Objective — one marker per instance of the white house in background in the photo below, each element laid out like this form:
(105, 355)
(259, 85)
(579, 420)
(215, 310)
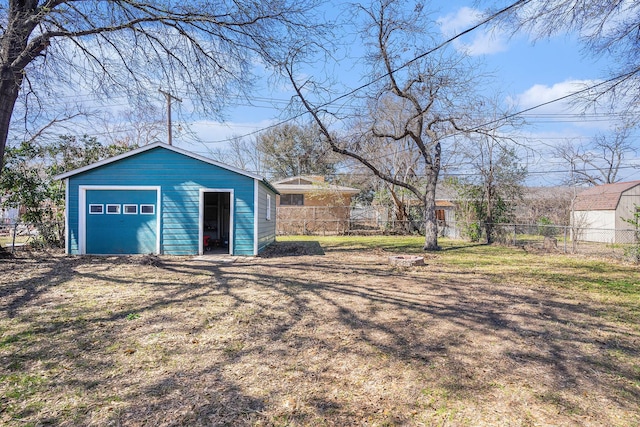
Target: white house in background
(601, 211)
(8, 215)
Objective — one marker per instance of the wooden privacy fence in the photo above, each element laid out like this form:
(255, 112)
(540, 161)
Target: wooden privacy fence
(313, 219)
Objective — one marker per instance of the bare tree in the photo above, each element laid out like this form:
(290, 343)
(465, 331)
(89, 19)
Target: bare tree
(496, 185)
(432, 97)
(599, 161)
(607, 28)
(243, 153)
(205, 48)
(400, 160)
(579, 224)
(291, 149)
(133, 127)
(545, 205)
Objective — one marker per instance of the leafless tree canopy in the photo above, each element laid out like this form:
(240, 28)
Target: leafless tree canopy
(241, 152)
(204, 48)
(413, 105)
(291, 149)
(606, 27)
(599, 161)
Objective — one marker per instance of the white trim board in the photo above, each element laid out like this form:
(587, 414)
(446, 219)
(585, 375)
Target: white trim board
(67, 235)
(256, 215)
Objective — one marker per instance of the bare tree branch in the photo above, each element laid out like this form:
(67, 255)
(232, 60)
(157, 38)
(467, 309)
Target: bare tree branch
(412, 106)
(207, 48)
(606, 28)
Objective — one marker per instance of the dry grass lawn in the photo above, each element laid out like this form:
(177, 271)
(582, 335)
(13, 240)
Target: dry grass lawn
(480, 336)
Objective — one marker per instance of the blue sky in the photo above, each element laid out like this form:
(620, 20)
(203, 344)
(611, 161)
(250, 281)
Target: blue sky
(526, 74)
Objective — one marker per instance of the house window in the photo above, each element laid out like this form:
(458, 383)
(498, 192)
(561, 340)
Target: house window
(130, 209)
(292, 200)
(268, 207)
(147, 209)
(96, 209)
(113, 209)
(440, 214)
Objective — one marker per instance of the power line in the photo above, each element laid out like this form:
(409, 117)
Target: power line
(449, 173)
(561, 118)
(406, 64)
(491, 122)
(505, 117)
(254, 100)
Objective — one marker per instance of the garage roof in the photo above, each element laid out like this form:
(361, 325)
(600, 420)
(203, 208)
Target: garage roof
(166, 147)
(602, 197)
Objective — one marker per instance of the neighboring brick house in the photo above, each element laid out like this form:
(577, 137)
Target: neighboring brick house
(600, 210)
(307, 204)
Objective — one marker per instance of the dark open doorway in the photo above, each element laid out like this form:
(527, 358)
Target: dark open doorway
(216, 222)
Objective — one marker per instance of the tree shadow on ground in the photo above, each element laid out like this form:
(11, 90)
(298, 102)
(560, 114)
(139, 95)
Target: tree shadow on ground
(298, 248)
(310, 340)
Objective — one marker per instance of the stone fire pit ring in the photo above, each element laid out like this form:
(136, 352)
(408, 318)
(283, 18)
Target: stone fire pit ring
(406, 260)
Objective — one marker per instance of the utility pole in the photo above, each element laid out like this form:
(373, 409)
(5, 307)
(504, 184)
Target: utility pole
(169, 98)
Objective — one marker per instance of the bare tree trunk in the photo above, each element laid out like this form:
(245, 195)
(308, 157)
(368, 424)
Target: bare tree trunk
(401, 212)
(488, 220)
(488, 229)
(8, 95)
(16, 52)
(430, 223)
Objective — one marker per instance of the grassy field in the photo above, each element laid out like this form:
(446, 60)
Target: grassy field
(321, 332)
(7, 241)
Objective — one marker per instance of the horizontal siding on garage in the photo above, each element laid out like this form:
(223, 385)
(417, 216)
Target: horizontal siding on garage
(180, 178)
(266, 227)
(243, 225)
(71, 213)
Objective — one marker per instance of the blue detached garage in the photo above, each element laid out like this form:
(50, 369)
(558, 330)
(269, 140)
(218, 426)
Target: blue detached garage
(161, 199)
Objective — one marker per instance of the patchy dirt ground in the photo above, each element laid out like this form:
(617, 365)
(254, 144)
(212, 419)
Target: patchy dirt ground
(337, 338)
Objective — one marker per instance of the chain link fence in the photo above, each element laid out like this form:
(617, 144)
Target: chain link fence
(606, 243)
(20, 235)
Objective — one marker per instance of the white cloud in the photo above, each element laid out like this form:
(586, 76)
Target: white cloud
(541, 94)
(482, 41)
(572, 118)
